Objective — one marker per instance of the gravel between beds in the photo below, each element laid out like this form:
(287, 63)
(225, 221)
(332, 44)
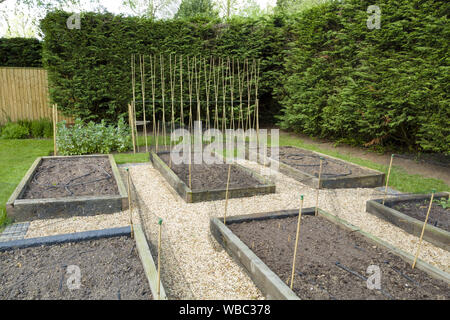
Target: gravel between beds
(194, 265)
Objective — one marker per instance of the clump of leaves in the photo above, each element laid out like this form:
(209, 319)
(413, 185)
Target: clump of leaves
(88, 138)
(443, 202)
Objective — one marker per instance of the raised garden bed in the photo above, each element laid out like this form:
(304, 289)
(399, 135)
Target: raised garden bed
(209, 181)
(65, 186)
(303, 165)
(332, 260)
(108, 262)
(409, 212)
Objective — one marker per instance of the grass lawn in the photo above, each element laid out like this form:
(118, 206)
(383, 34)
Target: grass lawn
(131, 158)
(16, 157)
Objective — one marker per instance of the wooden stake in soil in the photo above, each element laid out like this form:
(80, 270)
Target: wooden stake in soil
(159, 257)
(387, 178)
(226, 194)
(423, 228)
(130, 205)
(296, 240)
(318, 187)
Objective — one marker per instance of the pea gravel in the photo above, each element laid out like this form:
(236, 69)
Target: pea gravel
(194, 266)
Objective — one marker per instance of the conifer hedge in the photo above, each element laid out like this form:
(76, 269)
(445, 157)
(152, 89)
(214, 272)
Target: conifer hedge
(20, 52)
(89, 68)
(385, 86)
(323, 71)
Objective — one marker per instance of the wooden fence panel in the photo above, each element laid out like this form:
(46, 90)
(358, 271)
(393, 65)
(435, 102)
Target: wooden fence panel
(24, 95)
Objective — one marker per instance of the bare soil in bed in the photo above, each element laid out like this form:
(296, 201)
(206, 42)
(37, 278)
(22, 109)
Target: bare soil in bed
(332, 262)
(211, 176)
(110, 269)
(309, 162)
(439, 217)
(67, 177)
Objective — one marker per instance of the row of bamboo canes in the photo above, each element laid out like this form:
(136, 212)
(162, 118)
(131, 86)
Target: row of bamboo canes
(219, 75)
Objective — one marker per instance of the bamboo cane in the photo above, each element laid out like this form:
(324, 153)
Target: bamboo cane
(207, 89)
(130, 120)
(197, 87)
(387, 178)
(163, 126)
(249, 90)
(318, 187)
(256, 95)
(133, 84)
(153, 71)
(423, 228)
(54, 128)
(142, 68)
(190, 78)
(224, 90)
(157, 135)
(216, 95)
(226, 194)
(159, 258)
(190, 167)
(296, 240)
(241, 90)
(181, 93)
(130, 204)
(231, 91)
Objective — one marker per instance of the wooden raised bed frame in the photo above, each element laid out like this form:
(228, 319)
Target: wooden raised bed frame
(265, 279)
(30, 209)
(432, 234)
(372, 180)
(191, 196)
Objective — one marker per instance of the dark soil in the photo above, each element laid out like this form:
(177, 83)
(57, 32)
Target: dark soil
(439, 217)
(110, 269)
(322, 246)
(61, 178)
(211, 176)
(309, 162)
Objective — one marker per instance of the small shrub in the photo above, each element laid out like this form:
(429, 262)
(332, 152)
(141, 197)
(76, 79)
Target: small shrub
(15, 131)
(92, 137)
(41, 128)
(48, 131)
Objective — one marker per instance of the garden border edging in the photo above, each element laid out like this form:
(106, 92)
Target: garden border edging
(432, 234)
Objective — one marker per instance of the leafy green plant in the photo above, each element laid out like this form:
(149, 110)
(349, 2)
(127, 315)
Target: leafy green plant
(14, 131)
(88, 138)
(41, 128)
(443, 202)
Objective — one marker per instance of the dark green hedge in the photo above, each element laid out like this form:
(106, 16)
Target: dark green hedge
(386, 86)
(333, 76)
(20, 52)
(89, 68)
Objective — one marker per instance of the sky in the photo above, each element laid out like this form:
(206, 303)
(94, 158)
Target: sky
(18, 16)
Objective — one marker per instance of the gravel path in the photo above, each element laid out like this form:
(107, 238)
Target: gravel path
(194, 265)
(208, 271)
